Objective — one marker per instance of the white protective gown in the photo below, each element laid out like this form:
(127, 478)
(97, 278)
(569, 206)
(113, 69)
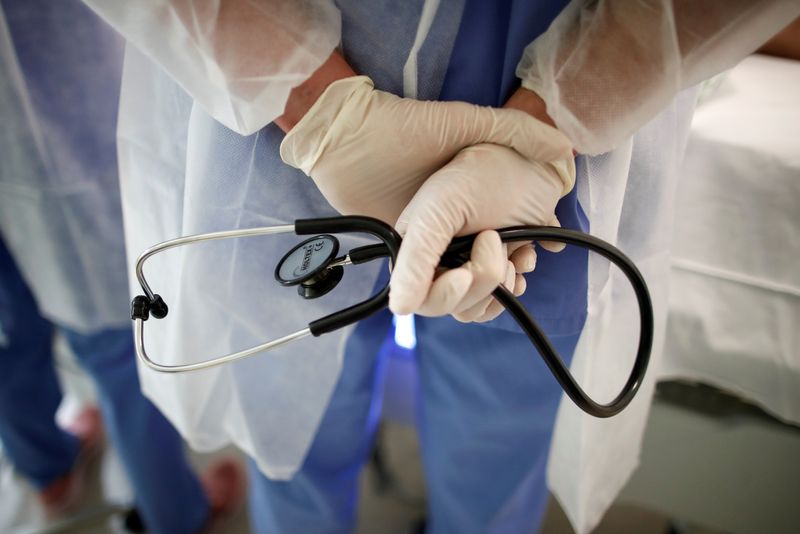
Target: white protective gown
(197, 155)
(59, 192)
(629, 192)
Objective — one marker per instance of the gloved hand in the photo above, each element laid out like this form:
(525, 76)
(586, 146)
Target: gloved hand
(484, 187)
(369, 151)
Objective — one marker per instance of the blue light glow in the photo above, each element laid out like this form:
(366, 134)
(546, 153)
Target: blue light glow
(404, 334)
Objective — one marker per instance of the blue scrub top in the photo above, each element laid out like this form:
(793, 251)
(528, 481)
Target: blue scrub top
(489, 44)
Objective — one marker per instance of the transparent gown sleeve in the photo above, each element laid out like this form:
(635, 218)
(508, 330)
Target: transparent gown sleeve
(606, 67)
(238, 59)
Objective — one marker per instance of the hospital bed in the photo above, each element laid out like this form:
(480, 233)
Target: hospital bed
(722, 447)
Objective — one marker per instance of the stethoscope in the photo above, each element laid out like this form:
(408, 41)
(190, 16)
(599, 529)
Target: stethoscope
(315, 267)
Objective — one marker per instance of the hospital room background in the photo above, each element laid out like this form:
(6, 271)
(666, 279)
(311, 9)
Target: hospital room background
(721, 451)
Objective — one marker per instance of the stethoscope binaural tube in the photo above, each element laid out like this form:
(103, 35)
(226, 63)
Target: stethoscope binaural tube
(151, 304)
(457, 253)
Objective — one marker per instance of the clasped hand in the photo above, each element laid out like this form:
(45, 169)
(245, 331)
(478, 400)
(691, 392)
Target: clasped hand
(436, 170)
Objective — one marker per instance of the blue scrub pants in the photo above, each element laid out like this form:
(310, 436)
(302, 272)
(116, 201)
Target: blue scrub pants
(486, 418)
(168, 494)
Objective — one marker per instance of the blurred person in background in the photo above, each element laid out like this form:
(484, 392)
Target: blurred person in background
(62, 269)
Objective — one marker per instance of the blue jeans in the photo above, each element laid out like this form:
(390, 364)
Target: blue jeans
(168, 494)
(487, 409)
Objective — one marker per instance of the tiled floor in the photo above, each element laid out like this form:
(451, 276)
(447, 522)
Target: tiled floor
(393, 504)
(386, 507)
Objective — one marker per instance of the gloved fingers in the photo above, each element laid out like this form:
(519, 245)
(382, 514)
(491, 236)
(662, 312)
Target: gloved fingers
(523, 256)
(514, 245)
(500, 126)
(474, 314)
(537, 142)
(488, 265)
(477, 311)
(470, 285)
(530, 137)
(553, 246)
(489, 308)
(520, 285)
(445, 293)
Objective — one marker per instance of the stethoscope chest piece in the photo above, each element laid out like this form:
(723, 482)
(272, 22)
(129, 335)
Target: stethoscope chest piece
(307, 266)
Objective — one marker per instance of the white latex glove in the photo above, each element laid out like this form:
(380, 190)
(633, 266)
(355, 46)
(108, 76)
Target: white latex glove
(484, 187)
(369, 151)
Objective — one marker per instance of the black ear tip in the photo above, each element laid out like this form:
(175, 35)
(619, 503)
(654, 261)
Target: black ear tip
(140, 308)
(158, 308)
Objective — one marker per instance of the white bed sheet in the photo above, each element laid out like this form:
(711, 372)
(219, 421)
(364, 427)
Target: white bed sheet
(735, 289)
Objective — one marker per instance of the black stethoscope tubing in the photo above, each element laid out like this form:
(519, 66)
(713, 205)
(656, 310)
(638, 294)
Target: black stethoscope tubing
(457, 253)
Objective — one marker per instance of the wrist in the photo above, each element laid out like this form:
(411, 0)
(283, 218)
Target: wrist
(531, 103)
(306, 94)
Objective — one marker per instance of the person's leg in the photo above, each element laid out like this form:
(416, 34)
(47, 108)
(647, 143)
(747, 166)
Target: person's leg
(29, 389)
(321, 498)
(169, 496)
(486, 417)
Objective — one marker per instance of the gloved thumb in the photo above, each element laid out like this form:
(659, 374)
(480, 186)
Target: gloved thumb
(426, 235)
(553, 246)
